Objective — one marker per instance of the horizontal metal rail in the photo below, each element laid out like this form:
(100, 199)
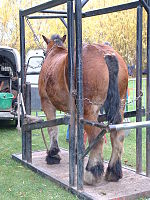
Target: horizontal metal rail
(130, 125)
(44, 6)
(91, 123)
(46, 16)
(117, 127)
(45, 124)
(112, 9)
(32, 73)
(53, 11)
(128, 114)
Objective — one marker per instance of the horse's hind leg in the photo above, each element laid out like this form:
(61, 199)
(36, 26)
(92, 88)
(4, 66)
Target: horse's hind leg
(50, 112)
(95, 168)
(114, 170)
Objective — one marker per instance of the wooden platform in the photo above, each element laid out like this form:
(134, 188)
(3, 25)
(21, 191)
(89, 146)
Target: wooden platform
(131, 186)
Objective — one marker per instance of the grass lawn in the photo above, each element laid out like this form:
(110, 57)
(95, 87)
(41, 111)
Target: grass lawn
(18, 182)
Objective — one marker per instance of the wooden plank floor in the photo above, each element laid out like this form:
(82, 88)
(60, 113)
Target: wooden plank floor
(131, 186)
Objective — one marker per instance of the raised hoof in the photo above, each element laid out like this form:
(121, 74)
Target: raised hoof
(93, 174)
(114, 173)
(51, 160)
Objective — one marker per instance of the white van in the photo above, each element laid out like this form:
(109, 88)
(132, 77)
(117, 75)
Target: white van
(34, 61)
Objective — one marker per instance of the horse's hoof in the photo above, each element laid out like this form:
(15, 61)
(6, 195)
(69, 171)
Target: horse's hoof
(93, 174)
(114, 173)
(54, 151)
(89, 179)
(51, 160)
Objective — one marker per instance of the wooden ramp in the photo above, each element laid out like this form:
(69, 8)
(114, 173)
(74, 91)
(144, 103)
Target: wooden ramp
(131, 186)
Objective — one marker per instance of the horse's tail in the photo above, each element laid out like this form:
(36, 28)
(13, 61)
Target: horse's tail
(112, 102)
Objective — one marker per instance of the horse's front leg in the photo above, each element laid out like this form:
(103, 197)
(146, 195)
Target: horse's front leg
(50, 112)
(95, 168)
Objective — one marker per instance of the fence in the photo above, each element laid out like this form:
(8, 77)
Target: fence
(131, 95)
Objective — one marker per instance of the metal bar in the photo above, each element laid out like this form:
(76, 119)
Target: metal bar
(133, 113)
(49, 4)
(54, 11)
(47, 17)
(79, 76)
(64, 22)
(84, 2)
(72, 151)
(94, 142)
(117, 8)
(138, 90)
(32, 73)
(39, 125)
(22, 57)
(148, 97)
(91, 123)
(145, 5)
(128, 114)
(130, 125)
(28, 133)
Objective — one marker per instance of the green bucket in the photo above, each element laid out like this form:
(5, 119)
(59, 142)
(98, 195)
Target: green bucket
(5, 100)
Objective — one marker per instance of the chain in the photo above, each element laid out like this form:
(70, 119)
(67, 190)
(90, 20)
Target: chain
(39, 66)
(35, 36)
(92, 102)
(136, 99)
(74, 93)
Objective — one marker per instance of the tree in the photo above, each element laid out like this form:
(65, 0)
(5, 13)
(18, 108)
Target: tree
(119, 29)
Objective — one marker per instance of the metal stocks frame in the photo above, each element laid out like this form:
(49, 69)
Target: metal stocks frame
(78, 15)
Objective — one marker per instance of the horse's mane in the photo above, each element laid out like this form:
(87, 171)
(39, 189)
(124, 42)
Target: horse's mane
(57, 39)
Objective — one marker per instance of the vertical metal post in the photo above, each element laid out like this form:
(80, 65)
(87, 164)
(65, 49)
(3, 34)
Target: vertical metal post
(72, 152)
(148, 96)
(79, 76)
(22, 54)
(28, 133)
(138, 89)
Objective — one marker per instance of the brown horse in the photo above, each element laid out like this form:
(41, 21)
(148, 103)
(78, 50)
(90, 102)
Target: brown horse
(105, 81)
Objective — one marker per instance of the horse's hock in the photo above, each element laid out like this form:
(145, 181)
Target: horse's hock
(132, 185)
